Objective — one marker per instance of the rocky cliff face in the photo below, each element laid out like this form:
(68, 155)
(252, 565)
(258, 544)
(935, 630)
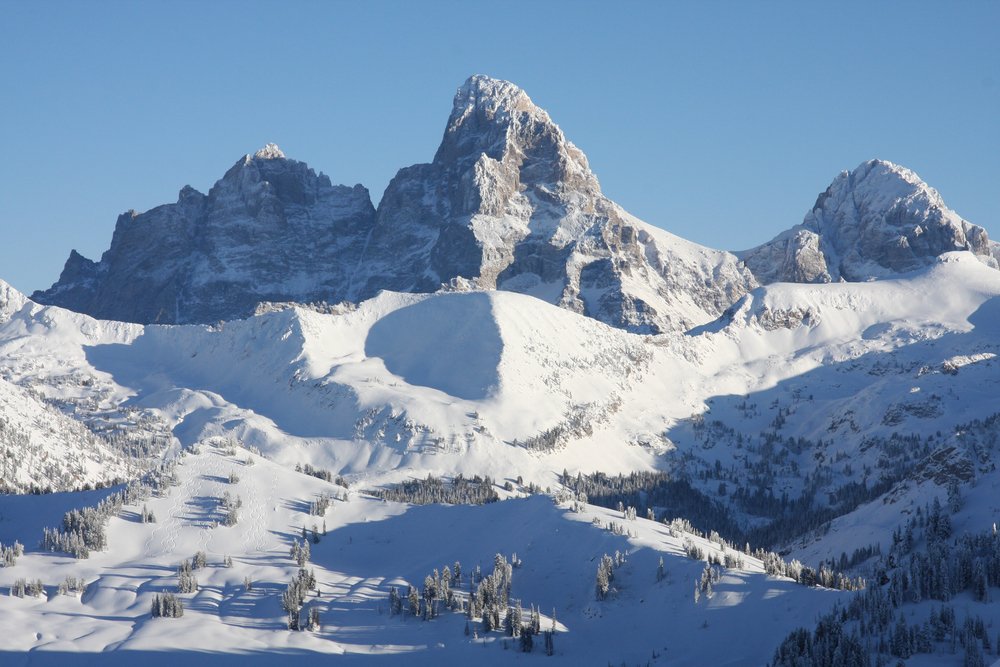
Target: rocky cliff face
(507, 203)
(875, 221)
(270, 230)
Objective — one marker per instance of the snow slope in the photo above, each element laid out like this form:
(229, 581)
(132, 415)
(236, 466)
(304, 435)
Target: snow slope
(371, 545)
(40, 446)
(502, 384)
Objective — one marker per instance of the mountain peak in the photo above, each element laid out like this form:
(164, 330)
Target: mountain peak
(886, 182)
(484, 91)
(269, 152)
(487, 115)
(878, 220)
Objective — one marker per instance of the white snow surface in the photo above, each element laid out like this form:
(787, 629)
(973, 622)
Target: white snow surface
(472, 382)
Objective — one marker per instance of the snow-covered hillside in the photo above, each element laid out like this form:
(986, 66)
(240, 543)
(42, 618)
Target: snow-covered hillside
(366, 547)
(503, 384)
(42, 447)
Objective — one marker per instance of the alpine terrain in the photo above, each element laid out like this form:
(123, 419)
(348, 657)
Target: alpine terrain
(498, 419)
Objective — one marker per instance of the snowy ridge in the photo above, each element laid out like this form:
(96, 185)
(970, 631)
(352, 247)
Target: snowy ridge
(11, 301)
(40, 447)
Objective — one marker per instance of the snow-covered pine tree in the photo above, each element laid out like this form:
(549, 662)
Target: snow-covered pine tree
(314, 620)
(413, 598)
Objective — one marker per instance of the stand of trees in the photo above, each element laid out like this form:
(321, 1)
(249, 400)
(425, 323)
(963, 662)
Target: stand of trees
(293, 599)
(435, 490)
(22, 587)
(10, 554)
(167, 605)
(83, 530)
(924, 562)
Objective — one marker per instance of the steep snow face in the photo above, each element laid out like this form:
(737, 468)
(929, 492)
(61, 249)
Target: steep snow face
(40, 448)
(876, 221)
(510, 203)
(11, 301)
(270, 230)
(436, 344)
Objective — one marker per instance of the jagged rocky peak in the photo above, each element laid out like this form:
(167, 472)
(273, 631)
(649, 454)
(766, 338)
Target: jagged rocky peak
(497, 120)
(876, 221)
(509, 202)
(506, 203)
(271, 229)
(269, 152)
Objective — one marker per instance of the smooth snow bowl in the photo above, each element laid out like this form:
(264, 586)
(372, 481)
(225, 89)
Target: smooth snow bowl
(451, 343)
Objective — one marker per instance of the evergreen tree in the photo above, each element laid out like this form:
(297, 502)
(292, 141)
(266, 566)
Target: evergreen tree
(314, 620)
(413, 597)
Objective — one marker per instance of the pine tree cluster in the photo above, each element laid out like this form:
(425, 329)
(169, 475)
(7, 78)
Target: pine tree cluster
(319, 473)
(606, 574)
(83, 530)
(230, 509)
(435, 490)
(10, 554)
(774, 564)
(186, 581)
(439, 591)
(924, 562)
(293, 598)
(22, 587)
(300, 552)
(72, 586)
(710, 576)
(319, 506)
(167, 605)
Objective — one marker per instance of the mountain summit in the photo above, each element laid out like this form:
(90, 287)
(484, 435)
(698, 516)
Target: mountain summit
(271, 229)
(878, 220)
(507, 203)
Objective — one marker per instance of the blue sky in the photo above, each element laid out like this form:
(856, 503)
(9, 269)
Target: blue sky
(719, 121)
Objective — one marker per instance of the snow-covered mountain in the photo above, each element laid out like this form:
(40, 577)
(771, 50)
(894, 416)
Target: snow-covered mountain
(271, 229)
(878, 220)
(504, 334)
(508, 202)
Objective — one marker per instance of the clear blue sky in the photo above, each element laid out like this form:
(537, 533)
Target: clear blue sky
(717, 121)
